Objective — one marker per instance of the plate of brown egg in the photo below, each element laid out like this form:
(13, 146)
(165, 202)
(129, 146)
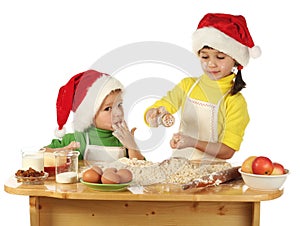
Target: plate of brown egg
(109, 179)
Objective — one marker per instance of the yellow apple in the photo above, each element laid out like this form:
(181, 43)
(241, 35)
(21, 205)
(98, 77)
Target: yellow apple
(247, 164)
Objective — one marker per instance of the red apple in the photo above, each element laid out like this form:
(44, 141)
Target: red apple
(247, 164)
(262, 165)
(278, 169)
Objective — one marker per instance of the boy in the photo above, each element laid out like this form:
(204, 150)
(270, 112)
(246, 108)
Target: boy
(100, 132)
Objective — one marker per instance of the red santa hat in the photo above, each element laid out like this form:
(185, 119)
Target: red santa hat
(228, 34)
(83, 94)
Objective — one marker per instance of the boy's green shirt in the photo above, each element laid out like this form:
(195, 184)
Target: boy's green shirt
(97, 136)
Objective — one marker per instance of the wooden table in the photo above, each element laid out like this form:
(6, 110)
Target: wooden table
(75, 204)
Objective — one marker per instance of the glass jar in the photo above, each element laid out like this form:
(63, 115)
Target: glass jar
(66, 166)
(33, 157)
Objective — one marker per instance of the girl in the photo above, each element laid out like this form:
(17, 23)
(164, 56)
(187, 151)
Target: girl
(214, 113)
(101, 134)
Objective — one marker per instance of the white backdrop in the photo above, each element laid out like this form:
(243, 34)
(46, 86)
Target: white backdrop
(43, 44)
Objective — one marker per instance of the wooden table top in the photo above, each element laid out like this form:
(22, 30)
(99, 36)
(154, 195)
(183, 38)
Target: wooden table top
(235, 191)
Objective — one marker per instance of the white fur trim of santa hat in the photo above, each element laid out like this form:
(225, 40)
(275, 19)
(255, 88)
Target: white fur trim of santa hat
(214, 38)
(86, 111)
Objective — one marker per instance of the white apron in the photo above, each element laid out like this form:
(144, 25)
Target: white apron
(102, 153)
(199, 119)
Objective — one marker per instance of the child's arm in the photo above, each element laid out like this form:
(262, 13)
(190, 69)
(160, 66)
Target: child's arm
(132, 153)
(135, 154)
(72, 146)
(219, 150)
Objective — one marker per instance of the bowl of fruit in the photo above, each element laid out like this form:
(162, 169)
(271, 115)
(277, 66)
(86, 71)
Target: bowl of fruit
(259, 172)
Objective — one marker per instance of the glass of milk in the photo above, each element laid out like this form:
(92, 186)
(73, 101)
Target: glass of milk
(66, 166)
(33, 157)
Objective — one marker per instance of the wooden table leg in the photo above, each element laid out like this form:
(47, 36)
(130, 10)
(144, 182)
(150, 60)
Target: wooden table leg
(256, 214)
(34, 211)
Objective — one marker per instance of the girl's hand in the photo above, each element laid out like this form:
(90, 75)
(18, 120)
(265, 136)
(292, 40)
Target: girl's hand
(180, 141)
(154, 115)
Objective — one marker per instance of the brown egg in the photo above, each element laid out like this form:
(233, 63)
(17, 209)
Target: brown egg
(91, 176)
(125, 174)
(111, 169)
(110, 177)
(98, 170)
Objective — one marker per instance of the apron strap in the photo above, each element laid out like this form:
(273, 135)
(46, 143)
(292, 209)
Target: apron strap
(87, 143)
(187, 96)
(193, 86)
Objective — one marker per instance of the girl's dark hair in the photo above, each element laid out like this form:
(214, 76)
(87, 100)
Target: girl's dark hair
(239, 83)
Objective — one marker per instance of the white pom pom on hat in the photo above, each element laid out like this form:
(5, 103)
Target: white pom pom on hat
(60, 132)
(83, 94)
(228, 34)
(255, 52)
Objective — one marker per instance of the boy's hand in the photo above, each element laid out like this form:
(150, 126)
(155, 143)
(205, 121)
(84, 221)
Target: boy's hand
(125, 136)
(71, 147)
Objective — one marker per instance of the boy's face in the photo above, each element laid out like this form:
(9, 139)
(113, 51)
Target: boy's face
(110, 112)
